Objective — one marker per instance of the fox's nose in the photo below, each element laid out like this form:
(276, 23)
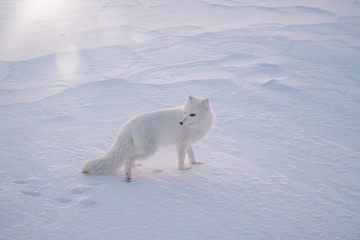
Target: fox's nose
(181, 123)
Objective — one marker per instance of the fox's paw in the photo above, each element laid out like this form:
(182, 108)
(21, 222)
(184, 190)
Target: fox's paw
(184, 168)
(197, 163)
(128, 178)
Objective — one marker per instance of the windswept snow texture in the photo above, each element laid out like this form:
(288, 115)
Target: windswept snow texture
(282, 161)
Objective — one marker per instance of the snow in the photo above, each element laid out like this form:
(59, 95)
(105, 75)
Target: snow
(282, 161)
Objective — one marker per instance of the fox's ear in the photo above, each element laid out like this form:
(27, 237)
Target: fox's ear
(189, 97)
(205, 102)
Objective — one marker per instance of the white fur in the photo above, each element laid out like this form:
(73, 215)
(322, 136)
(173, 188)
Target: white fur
(141, 136)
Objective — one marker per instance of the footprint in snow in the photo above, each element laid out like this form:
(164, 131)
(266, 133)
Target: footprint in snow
(27, 192)
(79, 190)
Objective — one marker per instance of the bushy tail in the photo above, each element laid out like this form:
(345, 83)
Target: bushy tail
(111, 161)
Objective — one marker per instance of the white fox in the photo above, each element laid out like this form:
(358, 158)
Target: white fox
(141, 136)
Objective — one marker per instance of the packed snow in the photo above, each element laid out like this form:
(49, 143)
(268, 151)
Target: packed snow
(281, 162)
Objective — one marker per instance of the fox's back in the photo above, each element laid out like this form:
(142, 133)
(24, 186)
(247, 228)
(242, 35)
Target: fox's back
(166, 127)
(161, 126)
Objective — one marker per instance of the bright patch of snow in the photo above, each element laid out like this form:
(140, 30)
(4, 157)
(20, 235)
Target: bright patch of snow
(282, 161)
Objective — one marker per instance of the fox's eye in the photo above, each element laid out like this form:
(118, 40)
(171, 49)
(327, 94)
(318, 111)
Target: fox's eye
(192, 115)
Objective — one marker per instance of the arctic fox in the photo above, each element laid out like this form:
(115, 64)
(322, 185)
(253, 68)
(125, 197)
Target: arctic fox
(140, 137)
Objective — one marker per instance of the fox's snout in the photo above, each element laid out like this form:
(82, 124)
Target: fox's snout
(182, 121)
(185, 122)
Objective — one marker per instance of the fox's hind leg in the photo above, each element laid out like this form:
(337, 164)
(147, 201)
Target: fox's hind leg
(143, 148)
(130, 162)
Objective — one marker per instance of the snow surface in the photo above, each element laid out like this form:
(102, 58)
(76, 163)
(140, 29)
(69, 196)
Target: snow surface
(282, 161)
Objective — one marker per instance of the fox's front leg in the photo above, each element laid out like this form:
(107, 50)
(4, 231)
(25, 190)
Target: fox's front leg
(191, 156)
(180, 149)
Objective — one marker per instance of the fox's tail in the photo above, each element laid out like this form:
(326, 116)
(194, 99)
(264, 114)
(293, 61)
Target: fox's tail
(113, 159)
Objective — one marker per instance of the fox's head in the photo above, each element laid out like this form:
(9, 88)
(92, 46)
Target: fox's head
(196, 111)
